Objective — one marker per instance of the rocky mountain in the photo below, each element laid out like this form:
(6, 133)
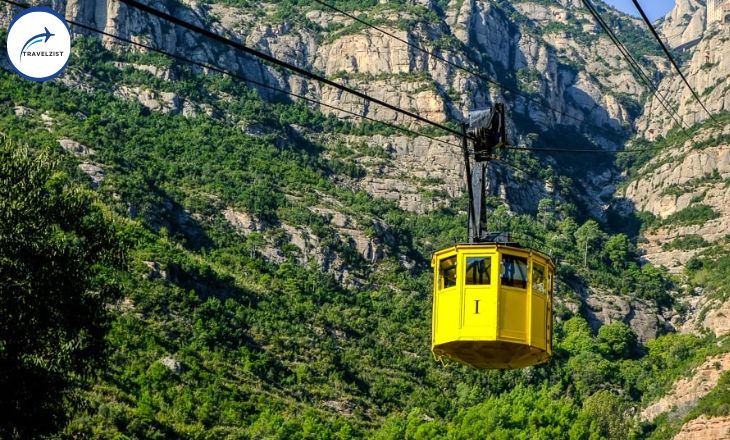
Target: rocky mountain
(280, 281)
(685, 23)
(685, 186)
(585, 80)
(707, 72)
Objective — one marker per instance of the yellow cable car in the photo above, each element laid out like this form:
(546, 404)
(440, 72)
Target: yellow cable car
(492, 305)
(492, 298)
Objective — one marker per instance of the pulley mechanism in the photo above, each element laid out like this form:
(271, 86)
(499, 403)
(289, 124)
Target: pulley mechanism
(489, 134)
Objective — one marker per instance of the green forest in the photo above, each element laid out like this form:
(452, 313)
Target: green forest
(130, 308)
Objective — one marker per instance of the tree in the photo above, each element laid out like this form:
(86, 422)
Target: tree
(520, 413)
(546, 212)
(619, 250)
(589, 237)
(616, 341)
(606, 414)
(58, 253)
(567, 228)
(591, 372)
(577, 336)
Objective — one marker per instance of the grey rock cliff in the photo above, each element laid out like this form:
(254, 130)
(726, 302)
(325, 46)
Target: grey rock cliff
(684, 23)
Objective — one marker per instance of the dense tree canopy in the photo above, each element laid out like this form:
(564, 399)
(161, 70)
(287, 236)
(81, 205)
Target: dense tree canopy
(57, 249)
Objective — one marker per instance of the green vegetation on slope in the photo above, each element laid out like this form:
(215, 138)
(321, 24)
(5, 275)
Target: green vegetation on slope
(59, 257)
(212, 339)
(698, 214)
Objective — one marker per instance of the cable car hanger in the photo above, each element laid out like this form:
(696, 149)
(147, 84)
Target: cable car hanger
(492, 297)
(487, 138)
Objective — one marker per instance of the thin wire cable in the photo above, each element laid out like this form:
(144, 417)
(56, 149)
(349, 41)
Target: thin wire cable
(275, 61)
(237, 76)
(574, 150)
(462, 68)
(671, 59)
(634, 64)
(413, 132)
(266, 86)
(515, 167)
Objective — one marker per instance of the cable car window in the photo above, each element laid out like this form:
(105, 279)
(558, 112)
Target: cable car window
(447, 272)
(540, 282)
(514, 271)
(478, 270)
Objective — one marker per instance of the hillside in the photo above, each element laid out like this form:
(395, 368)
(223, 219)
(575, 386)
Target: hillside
(279, 282)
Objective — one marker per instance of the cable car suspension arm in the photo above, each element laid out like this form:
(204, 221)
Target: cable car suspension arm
(489, 134)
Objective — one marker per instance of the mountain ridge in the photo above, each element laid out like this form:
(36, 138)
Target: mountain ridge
(280, 284)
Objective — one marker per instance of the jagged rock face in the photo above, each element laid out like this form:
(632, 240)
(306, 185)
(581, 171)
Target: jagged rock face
(172, 364)
(643, 317)
(76, 148)
(707, 72)
(308, 246)
(95, 171)
(409, 95)
(164, 102)
(704, 428)
(684, 23)
(706, 314)
(446, 92)
(411, 167)
(687, 391)
(422, 174)
(603, 75)
(675, 180)
(160, 72)
(686, 168)
(369, 52)
(580, 81)
(116, 18)
(483, 25)
(241, 221)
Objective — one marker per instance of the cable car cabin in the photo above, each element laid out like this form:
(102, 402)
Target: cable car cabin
(492, 305)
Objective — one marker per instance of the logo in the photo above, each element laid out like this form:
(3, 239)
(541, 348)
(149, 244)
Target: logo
(39, 44)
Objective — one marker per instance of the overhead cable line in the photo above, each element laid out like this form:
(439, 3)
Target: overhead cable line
(578, 150)
(575, 150)
(514, 167)
(242, 78)
(304, 72)
(275, 61)
(473, 72)
(634, 64)
(267, 86)
(671, 59)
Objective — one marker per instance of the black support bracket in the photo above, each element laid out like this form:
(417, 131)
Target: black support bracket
(488, 135)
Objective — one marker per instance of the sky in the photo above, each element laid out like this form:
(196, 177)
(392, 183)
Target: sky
(653, 8)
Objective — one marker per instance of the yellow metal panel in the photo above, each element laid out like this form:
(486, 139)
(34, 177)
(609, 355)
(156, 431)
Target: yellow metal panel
(538, 333)
(549, 306)
(434, 304)
(479, 319)
(447, 322)
(512, 323)
(446, 319)
(513, 302)
(513, 327)
(478, 307)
